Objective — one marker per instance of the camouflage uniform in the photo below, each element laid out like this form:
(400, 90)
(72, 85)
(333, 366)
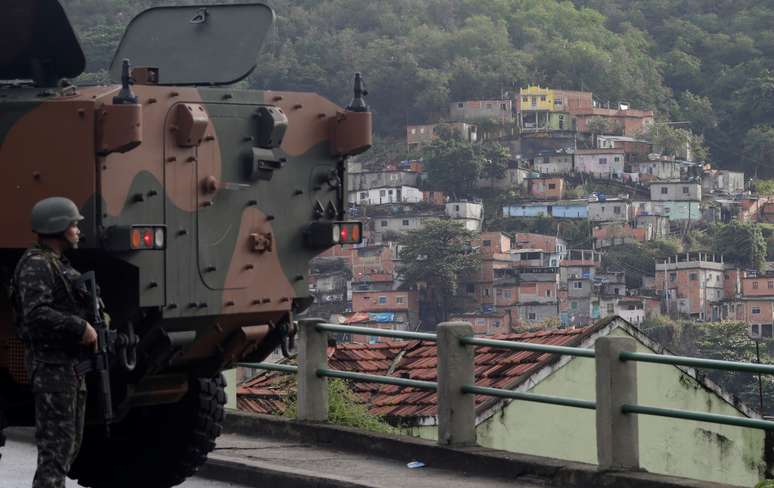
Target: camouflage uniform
(45, 289)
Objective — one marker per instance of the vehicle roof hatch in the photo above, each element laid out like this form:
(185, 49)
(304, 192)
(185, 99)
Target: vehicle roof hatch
(38, 42)
(196, 45)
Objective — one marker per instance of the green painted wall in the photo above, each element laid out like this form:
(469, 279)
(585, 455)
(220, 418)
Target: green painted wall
(231, 388)
(696, 450)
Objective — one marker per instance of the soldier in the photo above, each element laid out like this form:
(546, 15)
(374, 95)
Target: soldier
(48, 298)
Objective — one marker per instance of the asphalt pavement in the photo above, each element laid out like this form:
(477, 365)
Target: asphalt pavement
(17, 466)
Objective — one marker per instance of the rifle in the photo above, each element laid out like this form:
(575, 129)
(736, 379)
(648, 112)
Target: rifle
(99, 362)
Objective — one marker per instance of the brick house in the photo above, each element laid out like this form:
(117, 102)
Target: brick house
(546, 188)
(694, 284)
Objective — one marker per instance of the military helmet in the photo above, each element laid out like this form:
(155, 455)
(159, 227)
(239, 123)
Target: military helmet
(54, 215)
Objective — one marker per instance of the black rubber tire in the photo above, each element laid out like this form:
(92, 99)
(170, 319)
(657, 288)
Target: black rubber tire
(156, 447)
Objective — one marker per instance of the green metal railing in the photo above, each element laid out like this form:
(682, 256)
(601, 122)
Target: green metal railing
(697, 362)
(532, 397)
(528, 346)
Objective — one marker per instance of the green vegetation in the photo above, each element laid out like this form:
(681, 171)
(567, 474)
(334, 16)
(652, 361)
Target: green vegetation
(454, 166)
(439, 257)
(741, 243)
(704, 62)
(718, 340)
(344, 408)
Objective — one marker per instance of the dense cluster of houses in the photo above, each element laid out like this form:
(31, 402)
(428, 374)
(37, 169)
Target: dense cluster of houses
(560, 141)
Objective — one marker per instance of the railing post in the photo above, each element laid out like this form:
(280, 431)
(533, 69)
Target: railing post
(456, 410)
(618, 445)
(312, 402)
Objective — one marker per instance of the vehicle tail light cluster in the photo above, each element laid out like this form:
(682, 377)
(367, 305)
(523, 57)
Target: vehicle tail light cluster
(327, 234)
(136, 237)
(348, 232)
(147, 238)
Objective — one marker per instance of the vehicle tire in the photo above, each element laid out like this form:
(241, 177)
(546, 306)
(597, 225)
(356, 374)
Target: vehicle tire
(155, 447)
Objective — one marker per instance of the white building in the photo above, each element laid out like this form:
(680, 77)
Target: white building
(609, 210)
(600, 163)
(554, 164)
(469, 213)
(675, 191)
(378, 196)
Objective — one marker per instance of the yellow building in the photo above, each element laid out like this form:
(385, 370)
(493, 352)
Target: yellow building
(537, 98)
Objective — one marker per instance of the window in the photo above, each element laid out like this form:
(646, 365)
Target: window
(373, 339)
(531, 316)
(552, 186)
(542, 98)
(421, 130)
(470, 289)
(496, 323)
(456, 208)
(577, 285)
(756, 310)
(499, 292)
(685, 190)
(382, 193)
(615, 291)
(548, 293)
(460, 105)
(617, 210)
(405, 223)
(363, 195)
(617, 159)
(398, 299)
(384, 223)
(755, 285)
(488, 105)
(508, 294)
(610, 308)
(389, 191)
(382, 300)
(672, 277)
(602, 160)
(525, 99)
(503, 107)
(487, 243)
(486, 292)
(574, 305)
(664, 190)
(693, 276)
(413, 131)
(771, 285)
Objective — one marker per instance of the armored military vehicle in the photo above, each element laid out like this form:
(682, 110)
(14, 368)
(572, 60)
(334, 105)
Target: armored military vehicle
(203, 205)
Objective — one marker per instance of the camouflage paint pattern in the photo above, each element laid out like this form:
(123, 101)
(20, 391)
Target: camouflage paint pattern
(212, 279)
(60, 406)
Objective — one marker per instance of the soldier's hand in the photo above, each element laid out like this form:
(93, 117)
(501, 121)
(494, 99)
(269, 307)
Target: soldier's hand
(89, 336)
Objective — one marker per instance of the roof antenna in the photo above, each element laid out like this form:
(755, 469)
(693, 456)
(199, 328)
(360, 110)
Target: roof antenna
(125, 96)
(358, 104)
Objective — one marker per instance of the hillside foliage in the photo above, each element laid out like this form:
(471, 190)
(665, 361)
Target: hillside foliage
(705, 62)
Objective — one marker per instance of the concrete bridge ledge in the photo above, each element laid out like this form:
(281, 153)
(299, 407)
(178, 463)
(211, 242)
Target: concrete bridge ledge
(470, 460)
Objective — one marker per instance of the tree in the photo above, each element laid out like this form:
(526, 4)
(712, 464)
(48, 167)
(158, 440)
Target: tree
(438, 256)
(495, 160)
(678, 142)
(697, 110)
(741, 243)
(453, 166)
(759, 149)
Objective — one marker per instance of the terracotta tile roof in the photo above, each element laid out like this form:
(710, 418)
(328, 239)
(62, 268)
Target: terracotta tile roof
(498, 368)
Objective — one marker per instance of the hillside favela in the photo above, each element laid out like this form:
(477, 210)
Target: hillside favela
(561, 259)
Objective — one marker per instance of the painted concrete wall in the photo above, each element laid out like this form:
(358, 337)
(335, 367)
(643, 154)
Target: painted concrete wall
(695, 450)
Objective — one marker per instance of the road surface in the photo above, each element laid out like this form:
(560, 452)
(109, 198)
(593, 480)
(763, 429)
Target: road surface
(17, 467)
